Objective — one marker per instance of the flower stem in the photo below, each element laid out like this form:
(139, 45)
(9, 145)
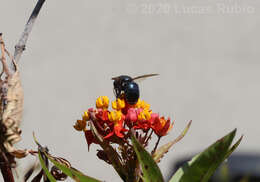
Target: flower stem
(148, 138)
(146, 133)
(156, 145)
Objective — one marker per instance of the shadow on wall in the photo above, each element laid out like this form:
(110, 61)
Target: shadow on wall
(237, 168)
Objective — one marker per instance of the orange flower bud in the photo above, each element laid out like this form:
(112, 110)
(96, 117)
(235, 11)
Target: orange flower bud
(80, 125)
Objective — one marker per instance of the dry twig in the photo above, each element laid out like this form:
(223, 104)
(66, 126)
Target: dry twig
(20, 46)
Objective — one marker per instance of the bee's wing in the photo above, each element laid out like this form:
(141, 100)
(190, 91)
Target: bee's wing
(143, 77)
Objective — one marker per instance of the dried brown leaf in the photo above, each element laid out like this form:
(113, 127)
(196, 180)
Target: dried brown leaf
(13, 110)
(11, 105)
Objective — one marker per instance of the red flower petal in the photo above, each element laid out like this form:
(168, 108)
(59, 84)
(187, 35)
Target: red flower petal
(161, 127)
(89, 137)
(109, 135)
(102, 114)
(118, 128)
(154, 116)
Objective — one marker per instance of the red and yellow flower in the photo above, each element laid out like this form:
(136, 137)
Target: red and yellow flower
(117, 123)
(161, 126)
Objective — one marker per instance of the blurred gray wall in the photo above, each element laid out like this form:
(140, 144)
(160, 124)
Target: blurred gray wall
(206, 52)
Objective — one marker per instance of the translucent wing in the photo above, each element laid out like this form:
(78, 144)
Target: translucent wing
(143, 77)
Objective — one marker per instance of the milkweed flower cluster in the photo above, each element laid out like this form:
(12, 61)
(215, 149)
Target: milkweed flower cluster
(115, 125)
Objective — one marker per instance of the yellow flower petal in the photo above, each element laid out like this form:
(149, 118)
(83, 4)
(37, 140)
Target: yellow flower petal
(144, 105)
(147, 114)
(102, 102)
(138, 104)
(105, 101)
(120, 104)
(114, 116)
(114, 105)
(141, 116)
(99, 103)
(85, 116)
(144, 115)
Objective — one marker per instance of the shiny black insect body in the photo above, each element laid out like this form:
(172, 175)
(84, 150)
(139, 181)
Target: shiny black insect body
(126, 87)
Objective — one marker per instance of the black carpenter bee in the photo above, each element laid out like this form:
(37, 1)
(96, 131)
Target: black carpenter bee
(126, 87)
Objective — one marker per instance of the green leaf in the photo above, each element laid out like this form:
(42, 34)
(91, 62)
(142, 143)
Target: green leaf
(71, 172)
(48, 174)
(203, 165)
(159, 153)
(150, 169)
(231, 150)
